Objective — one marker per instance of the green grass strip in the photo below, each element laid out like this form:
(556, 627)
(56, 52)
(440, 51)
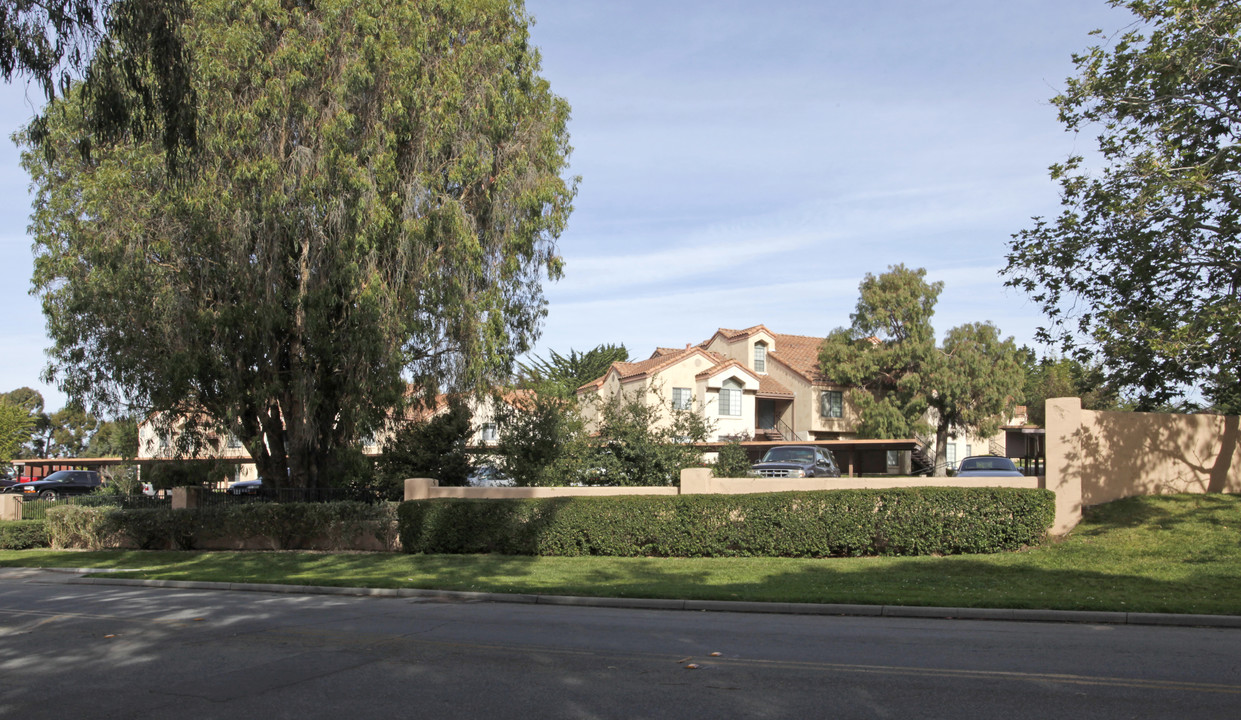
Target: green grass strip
(1161, 554)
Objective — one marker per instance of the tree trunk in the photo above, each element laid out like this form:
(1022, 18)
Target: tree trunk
(941, 450)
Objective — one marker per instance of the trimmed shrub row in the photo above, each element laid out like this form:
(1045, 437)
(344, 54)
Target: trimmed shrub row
(278, 526)
(905, 521)
(23, 534)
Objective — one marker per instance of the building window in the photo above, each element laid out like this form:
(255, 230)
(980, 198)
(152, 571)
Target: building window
(952, 456)
(730, 398)
(831, 404)
(969, 450)
(681, 398)
(233, 441)
(894, 458)
(760, 357)
(489, 434)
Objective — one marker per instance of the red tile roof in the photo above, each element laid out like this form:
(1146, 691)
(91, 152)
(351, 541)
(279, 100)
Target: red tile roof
(724, 364)
(768, 387)
(798, 353)
(628, 371)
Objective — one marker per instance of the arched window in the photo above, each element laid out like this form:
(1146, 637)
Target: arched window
(760, 357)
(730, 398)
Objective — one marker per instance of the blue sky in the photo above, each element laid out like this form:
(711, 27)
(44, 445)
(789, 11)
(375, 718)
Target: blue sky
(748, 163)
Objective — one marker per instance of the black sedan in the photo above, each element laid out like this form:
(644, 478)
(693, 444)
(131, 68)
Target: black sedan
(59, 484)
(246, 487)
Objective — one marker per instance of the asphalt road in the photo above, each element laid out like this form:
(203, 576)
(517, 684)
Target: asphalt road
(69, 650)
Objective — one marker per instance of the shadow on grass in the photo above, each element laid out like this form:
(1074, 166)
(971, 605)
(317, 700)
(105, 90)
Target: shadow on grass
(1163, 554)
(1161, 513)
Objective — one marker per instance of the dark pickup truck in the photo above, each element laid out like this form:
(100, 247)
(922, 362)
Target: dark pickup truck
(797, 461)
(59, 484)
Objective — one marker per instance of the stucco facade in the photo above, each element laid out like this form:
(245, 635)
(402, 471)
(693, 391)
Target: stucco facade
(782, 393)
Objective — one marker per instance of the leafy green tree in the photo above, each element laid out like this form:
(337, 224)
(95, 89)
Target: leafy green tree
(69, 431)
(540, 440)
(886, 357)
(976, 382)
(1049, 377)
(644, 443)
(129, 56)
(373, 205)
(1142, 268)
(562, 375)
(31, 401)
(115, 438)
(732, 462)
(433, 447)
(897, 373)
(15, 426)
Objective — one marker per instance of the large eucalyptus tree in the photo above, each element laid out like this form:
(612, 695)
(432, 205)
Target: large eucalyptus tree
(373, 206)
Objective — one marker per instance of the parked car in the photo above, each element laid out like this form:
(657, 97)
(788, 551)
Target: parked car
(246, 487)
(988, 466)
(488, 476)
(59, 484)
(796, 461)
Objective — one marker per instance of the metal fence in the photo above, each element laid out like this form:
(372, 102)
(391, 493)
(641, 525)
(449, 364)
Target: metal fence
(292, 495)
(36, 509)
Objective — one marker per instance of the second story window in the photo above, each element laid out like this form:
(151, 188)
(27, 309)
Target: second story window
(489, 434)
(760, 357)
(730, 398)
(831, 404)
(681, 398)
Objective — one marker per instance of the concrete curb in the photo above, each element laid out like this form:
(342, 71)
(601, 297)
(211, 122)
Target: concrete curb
(896, 611)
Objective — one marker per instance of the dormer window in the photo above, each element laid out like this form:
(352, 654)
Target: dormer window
(760, 357)
(730, 398)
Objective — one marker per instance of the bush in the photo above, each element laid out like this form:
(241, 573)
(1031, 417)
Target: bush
(282, 526)
(81, 526)
(906, 521)
(433, 447)
(732, 462)
(23, 534)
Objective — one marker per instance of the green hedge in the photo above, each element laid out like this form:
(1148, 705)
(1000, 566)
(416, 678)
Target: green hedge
(906, 521)
(23, 534)
(281, 526)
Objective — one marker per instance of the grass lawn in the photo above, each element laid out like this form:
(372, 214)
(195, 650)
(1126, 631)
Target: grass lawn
(1158, 554)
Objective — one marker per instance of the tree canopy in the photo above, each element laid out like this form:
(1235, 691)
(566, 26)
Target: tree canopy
(15, 427)
(433, 447)
(562, 375)
(373, 208)
(902, 383)
(886, 354)
(1051, 377)
(128, 56)
(976, 382)
(1142, 268)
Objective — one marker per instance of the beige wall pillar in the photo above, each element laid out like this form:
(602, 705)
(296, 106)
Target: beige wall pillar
(1064, 461)
(184, 498)
(10, 507)
(695, 481)
(419, 488)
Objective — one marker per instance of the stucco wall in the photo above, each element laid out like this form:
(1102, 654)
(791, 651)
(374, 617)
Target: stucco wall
(1122, 454)
(1096, 457)
(697, 481)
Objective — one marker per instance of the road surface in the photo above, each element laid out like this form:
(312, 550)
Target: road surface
(88, 651)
